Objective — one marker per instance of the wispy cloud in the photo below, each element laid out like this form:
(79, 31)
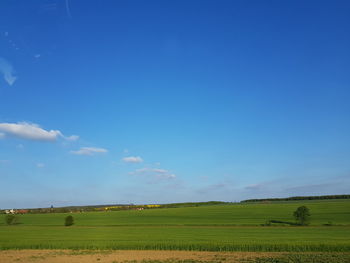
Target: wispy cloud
(68, 9)
(7, 71)
(132, 159)
(72, 138)
(254, 187)
(40, 165)
(31, 131)
(89, 151)
(2, 135)
(285, 187)
(331, 187)
(154, 172)
(213, 188)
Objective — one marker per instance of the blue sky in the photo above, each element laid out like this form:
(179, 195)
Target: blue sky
(171, 101)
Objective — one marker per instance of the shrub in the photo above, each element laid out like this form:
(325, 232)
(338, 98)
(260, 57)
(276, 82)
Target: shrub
(69, 221)
(329, 223)
(11, 219)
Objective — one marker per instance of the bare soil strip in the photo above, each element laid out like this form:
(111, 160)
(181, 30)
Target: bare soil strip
(115, 256)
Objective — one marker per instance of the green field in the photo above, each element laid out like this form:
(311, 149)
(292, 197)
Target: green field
(231, 227)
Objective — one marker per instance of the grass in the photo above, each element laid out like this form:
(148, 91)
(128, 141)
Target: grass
(179, 238)
(335, 211)
(235, 227)
(287, 258)
(169, 261)
(304, 258)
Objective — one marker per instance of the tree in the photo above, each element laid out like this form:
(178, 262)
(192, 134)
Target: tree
(11, 219)
(69, 221)
(302, 215)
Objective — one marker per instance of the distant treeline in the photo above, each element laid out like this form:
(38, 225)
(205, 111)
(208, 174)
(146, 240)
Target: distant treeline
(105, 208)
(297, 198)
(79, 209)
(191, 204)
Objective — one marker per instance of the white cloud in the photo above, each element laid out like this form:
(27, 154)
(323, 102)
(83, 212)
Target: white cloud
(213, 188)
(169, 176)
(32, 131)
(40, 165)
(160, 171)
(72, 138)
(154, 172)
(254, 187)
(89, 151)
(7, 70)
(132, 159)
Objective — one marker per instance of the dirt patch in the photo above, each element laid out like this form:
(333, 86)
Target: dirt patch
(116, 256)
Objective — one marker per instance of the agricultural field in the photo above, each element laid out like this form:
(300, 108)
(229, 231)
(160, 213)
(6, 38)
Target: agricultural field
(230, 227)
(167, 256)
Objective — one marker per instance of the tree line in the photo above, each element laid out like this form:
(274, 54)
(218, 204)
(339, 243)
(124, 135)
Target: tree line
(297, 198)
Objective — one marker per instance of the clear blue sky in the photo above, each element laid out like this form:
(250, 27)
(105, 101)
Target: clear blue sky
(170, 101)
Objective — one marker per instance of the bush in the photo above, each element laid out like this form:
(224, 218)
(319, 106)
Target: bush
(69, 221)
(11, 219)
(329, 223)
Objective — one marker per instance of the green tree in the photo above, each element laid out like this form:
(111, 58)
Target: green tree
(302, 215)
(69, 221)
(11, 219)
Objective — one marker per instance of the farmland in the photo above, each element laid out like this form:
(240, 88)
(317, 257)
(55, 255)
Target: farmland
(240, 214)
(230, 227)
